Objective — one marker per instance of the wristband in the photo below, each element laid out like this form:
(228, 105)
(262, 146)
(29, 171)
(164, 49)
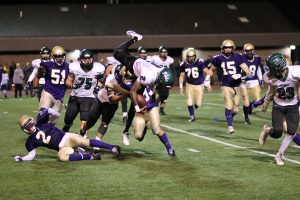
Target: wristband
(180, 85)
(137, 108)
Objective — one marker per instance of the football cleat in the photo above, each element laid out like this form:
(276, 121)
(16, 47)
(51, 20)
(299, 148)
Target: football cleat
(162, 112)
(96, 156)
(278, 159)
(116, 150)
(230, 129)
(196, 106)
(263, 135)
(133, 34)
(247, 122)
(126, 139)
(171, 152)
(192, 119)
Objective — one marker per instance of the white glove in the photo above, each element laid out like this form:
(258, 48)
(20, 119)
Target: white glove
(207, 83)
(236, 76)
(18, 158)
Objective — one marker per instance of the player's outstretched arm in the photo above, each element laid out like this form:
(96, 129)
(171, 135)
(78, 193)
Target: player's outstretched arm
(28, 157)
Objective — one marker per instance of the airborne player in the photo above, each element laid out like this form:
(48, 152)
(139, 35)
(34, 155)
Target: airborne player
(148, 76)
(251, 84)
(192, 69)
(232, 65)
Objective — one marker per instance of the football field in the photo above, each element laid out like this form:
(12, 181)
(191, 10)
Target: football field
(210, 163)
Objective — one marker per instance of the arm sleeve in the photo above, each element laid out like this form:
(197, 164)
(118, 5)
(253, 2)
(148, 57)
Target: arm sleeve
(33, 74)
(30, 155)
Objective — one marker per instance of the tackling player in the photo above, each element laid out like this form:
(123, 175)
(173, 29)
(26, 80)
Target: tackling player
(44, 134)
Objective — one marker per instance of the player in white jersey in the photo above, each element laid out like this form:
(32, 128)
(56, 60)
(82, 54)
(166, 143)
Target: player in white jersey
(82, 77)
(283, 89)
(164, 61)
(36, 78)
(106, 104)
(147, 77)
(4, 81)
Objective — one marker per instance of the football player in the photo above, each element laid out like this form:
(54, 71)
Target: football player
(44, 134)
(82, 77)
(164, 61)
(283, 79)
(192, 69)
(36, 78)
(143, 54)
(56, 73)
(4, 81)
(251, 85)
(148, 76)
(106, 104)
(232, 65)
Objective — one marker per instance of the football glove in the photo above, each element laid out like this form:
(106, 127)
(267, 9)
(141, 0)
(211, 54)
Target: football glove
(27, 85)
(96, 90)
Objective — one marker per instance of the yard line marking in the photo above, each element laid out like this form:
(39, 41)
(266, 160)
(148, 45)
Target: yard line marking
(193, 150)
(140, 152)
(227, 144)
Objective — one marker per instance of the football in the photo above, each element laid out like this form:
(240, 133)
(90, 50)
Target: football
(141, 101)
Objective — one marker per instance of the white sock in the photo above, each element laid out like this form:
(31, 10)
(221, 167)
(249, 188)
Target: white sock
(124, 114)
(97, 138)
(285, 143)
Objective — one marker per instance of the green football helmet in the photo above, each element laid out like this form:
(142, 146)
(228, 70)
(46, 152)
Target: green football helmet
(86, 59)
(276, 64)
(166, 78)
(142, 49)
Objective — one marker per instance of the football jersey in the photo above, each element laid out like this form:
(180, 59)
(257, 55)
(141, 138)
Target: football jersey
(146, 72)
(150, 99)
(47, 135)
(55, 78)
(86, 80)
(102, 94)
(162, 63)
(285, 88)
(112, 61)
(230, 67)
(193, 71)
(254, 66)
(4, 79)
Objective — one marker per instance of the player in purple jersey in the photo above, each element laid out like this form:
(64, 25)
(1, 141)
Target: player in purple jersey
(147, 76)
(56, 73)
(251, 85)
(44, 134)
(231, 64)
(192, 69)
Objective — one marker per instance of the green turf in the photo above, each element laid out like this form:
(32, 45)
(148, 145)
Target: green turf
(217, 171)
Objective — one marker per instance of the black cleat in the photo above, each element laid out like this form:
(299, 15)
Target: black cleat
(116, 150)
(196, 106)
(162, 112)
(247, 122)
(171, 152)
(96, 156)
(192, 119)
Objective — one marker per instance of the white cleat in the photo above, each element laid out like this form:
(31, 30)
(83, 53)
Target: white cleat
(126, 139)
(134, 35)
(230, 129)
(278, 160)
(263, 135)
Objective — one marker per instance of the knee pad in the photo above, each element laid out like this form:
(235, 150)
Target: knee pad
(276, 133)
(102, 128)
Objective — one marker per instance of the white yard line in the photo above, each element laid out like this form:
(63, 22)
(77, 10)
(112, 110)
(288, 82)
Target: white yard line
(226, 144)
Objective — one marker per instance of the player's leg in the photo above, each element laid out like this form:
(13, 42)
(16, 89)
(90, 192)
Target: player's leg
(198, 95)
(71, 113)
(246, 102)
(156, 130)
(94, 114)
(228, 94)
(189, 101)
(292, 120)
(124, 109)
(108, 113)
(85, 104)
(139, 124)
